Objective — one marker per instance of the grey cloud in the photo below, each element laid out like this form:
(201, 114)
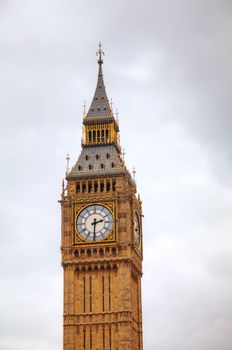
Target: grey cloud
(168, 69)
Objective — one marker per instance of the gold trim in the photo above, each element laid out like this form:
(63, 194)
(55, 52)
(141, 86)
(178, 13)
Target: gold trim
(78, 239)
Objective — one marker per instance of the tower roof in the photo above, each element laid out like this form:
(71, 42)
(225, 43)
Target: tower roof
(100, 109)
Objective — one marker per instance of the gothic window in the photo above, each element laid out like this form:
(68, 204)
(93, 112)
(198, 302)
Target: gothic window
(95, 186)
(76, 254)
(90, 167)
(110, 338)
(90, 136)
(107, 135)
(102, 186)
(84, 341)
(112, 165)
(84, 291)
(97, 156)
(80, 167)
(101, 252)
(89, 186)
(90, 294)
(108, 186)
(109, 292)
(86, 156)
(107, 155)
(78, 187)
(98, 135)
(114, 185)
(90, 340)
(89, 252)
(113, 251)
(83, 187)
(102, 166)
(103, 339)
(94, 136)
(102, 135)
(103, 294)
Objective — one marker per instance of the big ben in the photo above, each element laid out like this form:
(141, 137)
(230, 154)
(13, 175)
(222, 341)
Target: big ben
(101, 238)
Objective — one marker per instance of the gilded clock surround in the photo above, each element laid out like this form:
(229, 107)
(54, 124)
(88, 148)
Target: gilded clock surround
(102, 279)
(78, 239)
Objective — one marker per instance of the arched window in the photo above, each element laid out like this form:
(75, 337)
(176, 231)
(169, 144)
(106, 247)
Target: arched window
(90, 136)
(112, 165)
(113, 251)
(78, 187)
(80, 167)
(102, 186)
(98, 136)
(101, 252)
(89, 253)
(86, 157)
(102, 135)
(90, 167)
(97, 156)
(89, 186)
(114, 185)
(94, 136)
(83, 187)
(107, 155)
(108, 186)
(107, 135)
(95, 186)
(102, 166)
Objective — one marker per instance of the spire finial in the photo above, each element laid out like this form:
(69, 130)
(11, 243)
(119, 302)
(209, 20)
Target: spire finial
(100, 53)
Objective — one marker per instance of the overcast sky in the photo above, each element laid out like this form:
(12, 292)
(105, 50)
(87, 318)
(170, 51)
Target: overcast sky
(168, 68)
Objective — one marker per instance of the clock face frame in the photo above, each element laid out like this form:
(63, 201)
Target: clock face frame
(137, 234)
(94, 223)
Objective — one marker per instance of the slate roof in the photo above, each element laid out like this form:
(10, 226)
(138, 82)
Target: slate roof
(99, 160)
(100, 106)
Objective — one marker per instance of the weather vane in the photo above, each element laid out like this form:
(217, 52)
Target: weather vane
(100, 53)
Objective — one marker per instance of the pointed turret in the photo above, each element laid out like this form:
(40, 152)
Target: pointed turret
(100, 106)
(100, 110)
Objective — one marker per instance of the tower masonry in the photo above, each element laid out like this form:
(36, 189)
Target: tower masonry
(101, 238)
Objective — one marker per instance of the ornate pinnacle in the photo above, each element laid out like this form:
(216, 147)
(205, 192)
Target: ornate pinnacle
(100, 53)
(67, 166)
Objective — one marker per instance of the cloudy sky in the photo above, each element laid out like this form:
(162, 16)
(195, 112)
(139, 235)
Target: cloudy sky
(168, 70)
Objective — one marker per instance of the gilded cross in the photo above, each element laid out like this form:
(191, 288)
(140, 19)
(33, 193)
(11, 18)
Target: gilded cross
(100, 53)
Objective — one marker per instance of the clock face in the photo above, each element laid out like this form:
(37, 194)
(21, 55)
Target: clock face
(137, 236)
(94, 223)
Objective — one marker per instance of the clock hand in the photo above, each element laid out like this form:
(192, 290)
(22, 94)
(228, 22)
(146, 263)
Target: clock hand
(97, 222)
(94, 228)
(94, 223)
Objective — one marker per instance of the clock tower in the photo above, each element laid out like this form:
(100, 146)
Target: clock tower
(101, 238)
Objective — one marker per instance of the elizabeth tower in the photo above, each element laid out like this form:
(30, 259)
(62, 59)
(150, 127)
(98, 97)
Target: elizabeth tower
(101, 238)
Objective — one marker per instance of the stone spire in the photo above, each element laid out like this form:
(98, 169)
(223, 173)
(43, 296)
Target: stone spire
(100, 106)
